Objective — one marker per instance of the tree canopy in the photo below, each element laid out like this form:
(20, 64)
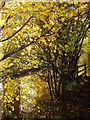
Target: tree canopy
(41, 39)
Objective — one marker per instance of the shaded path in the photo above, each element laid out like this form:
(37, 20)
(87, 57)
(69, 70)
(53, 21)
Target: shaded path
(78, 101)
(76, 105)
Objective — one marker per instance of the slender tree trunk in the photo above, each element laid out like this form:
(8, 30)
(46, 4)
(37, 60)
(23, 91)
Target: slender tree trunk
(88, 64)
(50, 86)
(88, 55)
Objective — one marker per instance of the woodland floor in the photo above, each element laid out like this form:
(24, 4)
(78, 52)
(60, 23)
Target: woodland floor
(75, 105)
(78, 101)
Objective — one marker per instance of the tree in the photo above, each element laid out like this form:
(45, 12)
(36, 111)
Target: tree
(88, 54)
(47, 44)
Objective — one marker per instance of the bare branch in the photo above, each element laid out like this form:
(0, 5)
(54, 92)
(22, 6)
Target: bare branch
(17, 30)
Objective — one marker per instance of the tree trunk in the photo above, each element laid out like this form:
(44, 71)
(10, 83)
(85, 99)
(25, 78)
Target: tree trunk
(88, 55)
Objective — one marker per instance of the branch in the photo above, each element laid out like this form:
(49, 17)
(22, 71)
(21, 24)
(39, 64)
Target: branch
(27, 71)
(15, 51)
(3, 4)
(2, 27)
(84, 32)
(17, 30)
(21, 48)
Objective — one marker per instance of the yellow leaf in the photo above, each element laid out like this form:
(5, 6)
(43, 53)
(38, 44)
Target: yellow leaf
(55, 51)
(5, 101)
(17, 98)
(51, 22)
(2, 111)
(65, 5)
(42, 18)
(2, 22)
(12, 108)
(62, 19)
(76, 18)
(38, 111)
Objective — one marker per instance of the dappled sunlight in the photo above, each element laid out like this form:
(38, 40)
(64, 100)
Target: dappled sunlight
(43, 60)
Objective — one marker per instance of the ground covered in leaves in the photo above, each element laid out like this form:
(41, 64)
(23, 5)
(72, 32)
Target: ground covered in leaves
(76, 105)
(78, 101)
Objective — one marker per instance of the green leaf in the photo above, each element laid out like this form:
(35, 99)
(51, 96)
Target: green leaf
(17, 17)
